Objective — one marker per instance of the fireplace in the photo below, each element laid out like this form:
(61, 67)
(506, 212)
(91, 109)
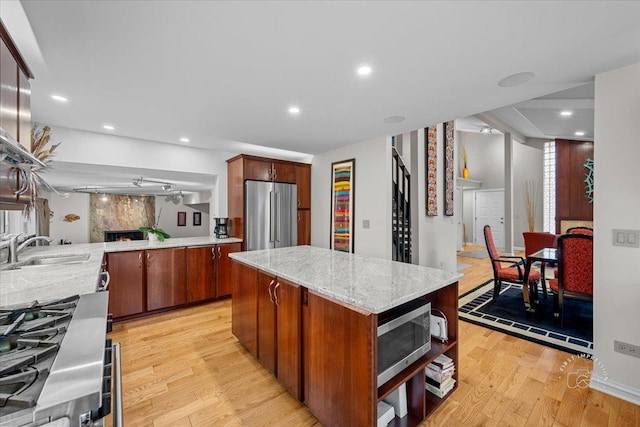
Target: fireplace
(123, 235)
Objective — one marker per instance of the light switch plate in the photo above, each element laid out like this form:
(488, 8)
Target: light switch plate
(366, 223)
(625, 348)
(626, 238)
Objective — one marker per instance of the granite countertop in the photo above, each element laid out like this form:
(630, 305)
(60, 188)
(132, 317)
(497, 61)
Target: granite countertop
(371, 284)
(45, 282)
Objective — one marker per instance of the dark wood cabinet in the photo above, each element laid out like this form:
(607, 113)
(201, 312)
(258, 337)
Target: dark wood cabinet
(304, 227)
(15, 91)
(288, 335)
(166, 277)
(266, 322)
(244, 167)
(209, 271)
(154, 279)
(303, 182)
(329, 348)
(201, 273)
(224, 279)
(244, 306)
(279, 330)
(127, 283)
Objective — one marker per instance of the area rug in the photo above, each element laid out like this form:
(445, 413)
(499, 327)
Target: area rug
(480, 254)
(507, 315)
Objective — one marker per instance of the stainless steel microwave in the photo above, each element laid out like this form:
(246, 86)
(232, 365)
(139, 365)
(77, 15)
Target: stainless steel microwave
(403, 337)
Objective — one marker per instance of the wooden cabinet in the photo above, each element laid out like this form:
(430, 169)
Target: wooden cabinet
(209, 271)
(15, 92)
(201, 273)
(279, 330)
(244, 306)
(303, 181)
(266, 322)
(261, 169)
(166, 277)
(224, 278)
(287, 301)
(127, 285)
(304, 227)
(329, 348)
(244, 167)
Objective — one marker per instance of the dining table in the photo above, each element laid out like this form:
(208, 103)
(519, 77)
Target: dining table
(530, 294)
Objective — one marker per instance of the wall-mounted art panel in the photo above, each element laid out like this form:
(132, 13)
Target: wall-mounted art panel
(431, 170)
(342, 204)
(449, 182)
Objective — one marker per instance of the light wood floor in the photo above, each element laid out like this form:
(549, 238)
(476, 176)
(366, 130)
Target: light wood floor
(185, 368)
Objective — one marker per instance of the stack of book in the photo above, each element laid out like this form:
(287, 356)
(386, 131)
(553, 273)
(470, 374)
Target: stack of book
(439, 374)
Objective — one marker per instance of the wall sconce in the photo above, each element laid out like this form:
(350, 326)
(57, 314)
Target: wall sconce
(486, 129)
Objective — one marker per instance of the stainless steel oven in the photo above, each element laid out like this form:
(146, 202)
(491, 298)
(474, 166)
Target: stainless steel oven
(57, 368)
(404, 336)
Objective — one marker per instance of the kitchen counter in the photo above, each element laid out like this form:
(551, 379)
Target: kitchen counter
(371, 284)
(44, 282)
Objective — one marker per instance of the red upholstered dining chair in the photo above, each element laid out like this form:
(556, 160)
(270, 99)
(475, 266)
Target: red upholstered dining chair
(512, 272)
(580, 230)
(575, 271)
(533, 242)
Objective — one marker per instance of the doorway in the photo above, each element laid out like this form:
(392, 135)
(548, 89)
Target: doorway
(489, 209)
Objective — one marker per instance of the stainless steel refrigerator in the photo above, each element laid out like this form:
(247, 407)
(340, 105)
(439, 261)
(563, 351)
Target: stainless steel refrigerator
(271, 215)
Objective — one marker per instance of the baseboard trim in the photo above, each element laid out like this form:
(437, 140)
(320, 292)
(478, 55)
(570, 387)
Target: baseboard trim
(622, 391)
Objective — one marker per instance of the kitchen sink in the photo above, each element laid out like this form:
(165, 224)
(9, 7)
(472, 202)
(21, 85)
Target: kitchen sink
(49, 260)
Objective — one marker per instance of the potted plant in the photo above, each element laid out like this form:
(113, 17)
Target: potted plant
(155, 233)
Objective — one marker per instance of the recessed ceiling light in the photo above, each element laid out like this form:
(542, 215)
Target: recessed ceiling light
(579, 133)
(364, 70)
(566, 113)
(59, 98)
(108, 127)
(516, 79)
(294, 110)
(394, 119)
(184, 139)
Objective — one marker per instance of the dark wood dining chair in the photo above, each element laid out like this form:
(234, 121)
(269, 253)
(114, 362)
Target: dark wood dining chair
(575, 271)
(506, 268)
(535, 241)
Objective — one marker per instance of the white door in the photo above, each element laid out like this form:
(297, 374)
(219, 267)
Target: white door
(489, 209)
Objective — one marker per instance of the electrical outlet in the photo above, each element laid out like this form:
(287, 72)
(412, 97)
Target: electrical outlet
(625, 348)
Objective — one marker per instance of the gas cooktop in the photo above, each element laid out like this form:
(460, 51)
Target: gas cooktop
(30, 337)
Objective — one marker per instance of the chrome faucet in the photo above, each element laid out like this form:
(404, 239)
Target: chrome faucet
(15, 249)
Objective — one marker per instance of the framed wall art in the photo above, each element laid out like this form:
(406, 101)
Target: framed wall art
(182, 219)
(342, 205)
(197, 219)
(431, 170)
(448, 168)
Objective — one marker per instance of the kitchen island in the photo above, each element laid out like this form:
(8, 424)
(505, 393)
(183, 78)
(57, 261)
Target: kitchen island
(310, 315)
(46, 282)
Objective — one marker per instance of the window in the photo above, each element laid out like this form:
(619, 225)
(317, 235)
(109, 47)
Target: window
(549, 187)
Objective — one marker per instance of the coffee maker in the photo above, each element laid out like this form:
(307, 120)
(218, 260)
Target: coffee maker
(220, 230)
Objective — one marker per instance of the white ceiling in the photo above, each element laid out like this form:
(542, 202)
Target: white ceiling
(225, 73)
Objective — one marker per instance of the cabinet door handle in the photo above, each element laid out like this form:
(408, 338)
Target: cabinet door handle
(219, 253)
(148, 259)
(213, 252)
(140, 259)
(275, 293)
(271, 294)
(298, 216)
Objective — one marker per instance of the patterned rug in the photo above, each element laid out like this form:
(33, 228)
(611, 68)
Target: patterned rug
(507, 315)
(480, 254)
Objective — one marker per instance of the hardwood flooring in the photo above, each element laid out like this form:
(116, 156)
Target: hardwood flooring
(185, 368)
